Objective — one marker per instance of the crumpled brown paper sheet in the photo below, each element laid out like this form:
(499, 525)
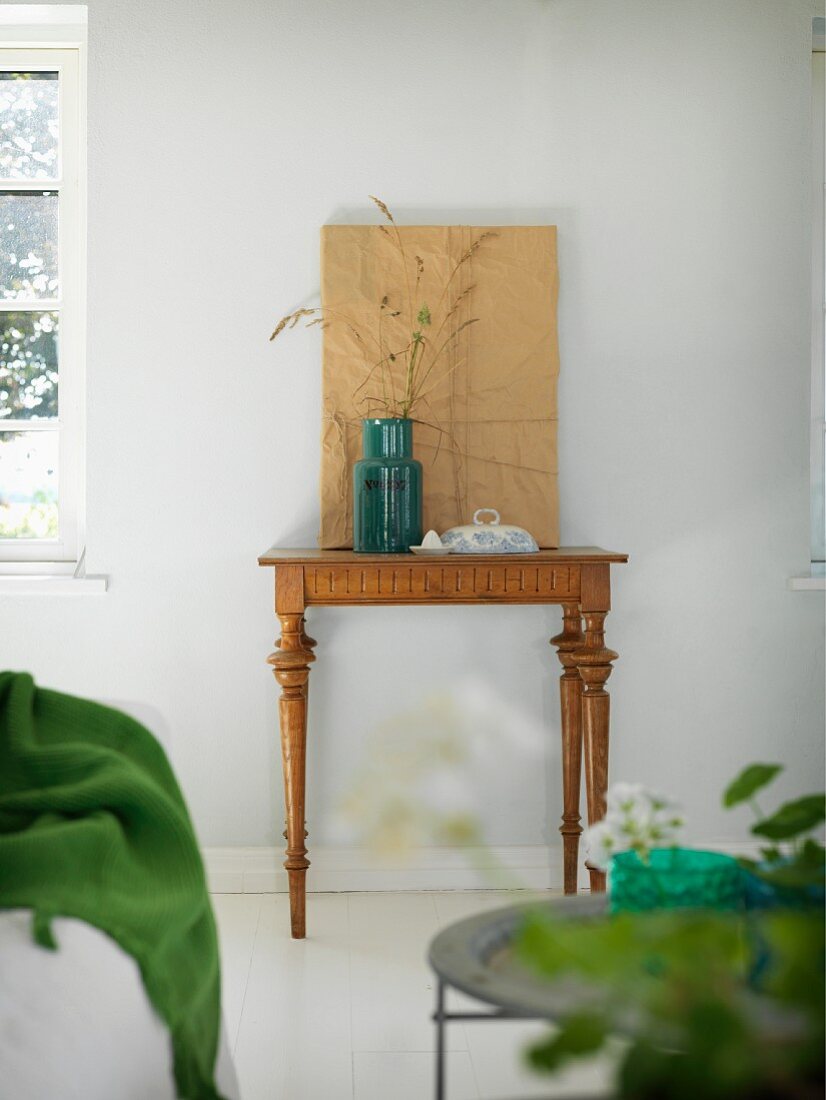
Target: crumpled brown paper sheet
(496, 404)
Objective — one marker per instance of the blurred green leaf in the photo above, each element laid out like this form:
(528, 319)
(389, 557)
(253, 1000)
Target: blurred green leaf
(793, 818)
(749, 781)
(579, 1035)
(718, 1051)
(629, 951)
(796, 975)
(647, 1071)
(804, 869)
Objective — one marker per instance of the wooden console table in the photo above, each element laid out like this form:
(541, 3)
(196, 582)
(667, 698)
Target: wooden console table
(578, 578)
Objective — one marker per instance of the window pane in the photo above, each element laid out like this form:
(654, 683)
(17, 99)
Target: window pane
(28, 130)
(28, 485)
(28, 366)
(28, 244)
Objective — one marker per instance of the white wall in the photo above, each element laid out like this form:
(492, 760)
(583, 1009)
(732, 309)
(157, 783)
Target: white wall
(668, 140)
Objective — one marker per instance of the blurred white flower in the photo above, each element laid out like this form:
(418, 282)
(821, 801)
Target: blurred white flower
(624, 796)
(491, 722)
(448, 791)
(636, 820)
(419, 782)
(600, 844)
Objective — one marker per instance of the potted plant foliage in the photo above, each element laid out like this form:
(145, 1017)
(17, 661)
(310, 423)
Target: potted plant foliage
(717, 989)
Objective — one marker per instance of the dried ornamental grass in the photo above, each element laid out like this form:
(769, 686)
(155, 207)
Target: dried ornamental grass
(402, 374)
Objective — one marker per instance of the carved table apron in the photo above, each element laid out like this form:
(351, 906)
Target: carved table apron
(578, 578)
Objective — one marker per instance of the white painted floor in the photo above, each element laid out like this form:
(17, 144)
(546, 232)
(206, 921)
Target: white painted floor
(345, 1014)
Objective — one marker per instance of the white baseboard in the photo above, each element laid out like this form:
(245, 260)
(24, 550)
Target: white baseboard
(534, 867)
(259, 870)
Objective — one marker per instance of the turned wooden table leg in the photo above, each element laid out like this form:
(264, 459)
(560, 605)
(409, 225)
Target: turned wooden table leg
(306, 640)
(570, 698)
(291, 661)
(593, 661)
(308, 643)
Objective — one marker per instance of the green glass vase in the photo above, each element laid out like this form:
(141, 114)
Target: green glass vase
(387, 489)
(675, 878)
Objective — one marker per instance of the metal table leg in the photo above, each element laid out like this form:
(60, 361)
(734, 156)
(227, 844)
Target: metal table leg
(439, 1019)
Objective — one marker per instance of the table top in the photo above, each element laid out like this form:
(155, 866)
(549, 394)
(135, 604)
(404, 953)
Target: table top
(279, 555)
(476, 956)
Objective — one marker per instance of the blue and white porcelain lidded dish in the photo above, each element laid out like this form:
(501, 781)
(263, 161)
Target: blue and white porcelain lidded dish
(489, 538)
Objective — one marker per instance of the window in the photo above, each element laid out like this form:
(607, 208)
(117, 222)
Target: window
(818, 424)
(42, 215)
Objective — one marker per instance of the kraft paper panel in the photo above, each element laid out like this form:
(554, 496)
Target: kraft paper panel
(487, 436)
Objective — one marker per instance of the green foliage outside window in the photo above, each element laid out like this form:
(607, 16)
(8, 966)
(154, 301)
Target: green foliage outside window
(28, 366)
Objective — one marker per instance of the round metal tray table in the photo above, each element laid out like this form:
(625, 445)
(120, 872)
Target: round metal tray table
(477, 956)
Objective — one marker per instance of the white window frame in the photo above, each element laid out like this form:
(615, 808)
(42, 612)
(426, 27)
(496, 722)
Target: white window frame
(818, 421)
(52, 38)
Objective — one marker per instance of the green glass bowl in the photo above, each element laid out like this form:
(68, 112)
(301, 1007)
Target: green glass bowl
(675, 878)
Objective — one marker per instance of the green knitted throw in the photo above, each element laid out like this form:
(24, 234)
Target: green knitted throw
(93, 826)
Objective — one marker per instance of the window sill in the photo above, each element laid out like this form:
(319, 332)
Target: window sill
(807, 584)
(51, 586)
(50, 579)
